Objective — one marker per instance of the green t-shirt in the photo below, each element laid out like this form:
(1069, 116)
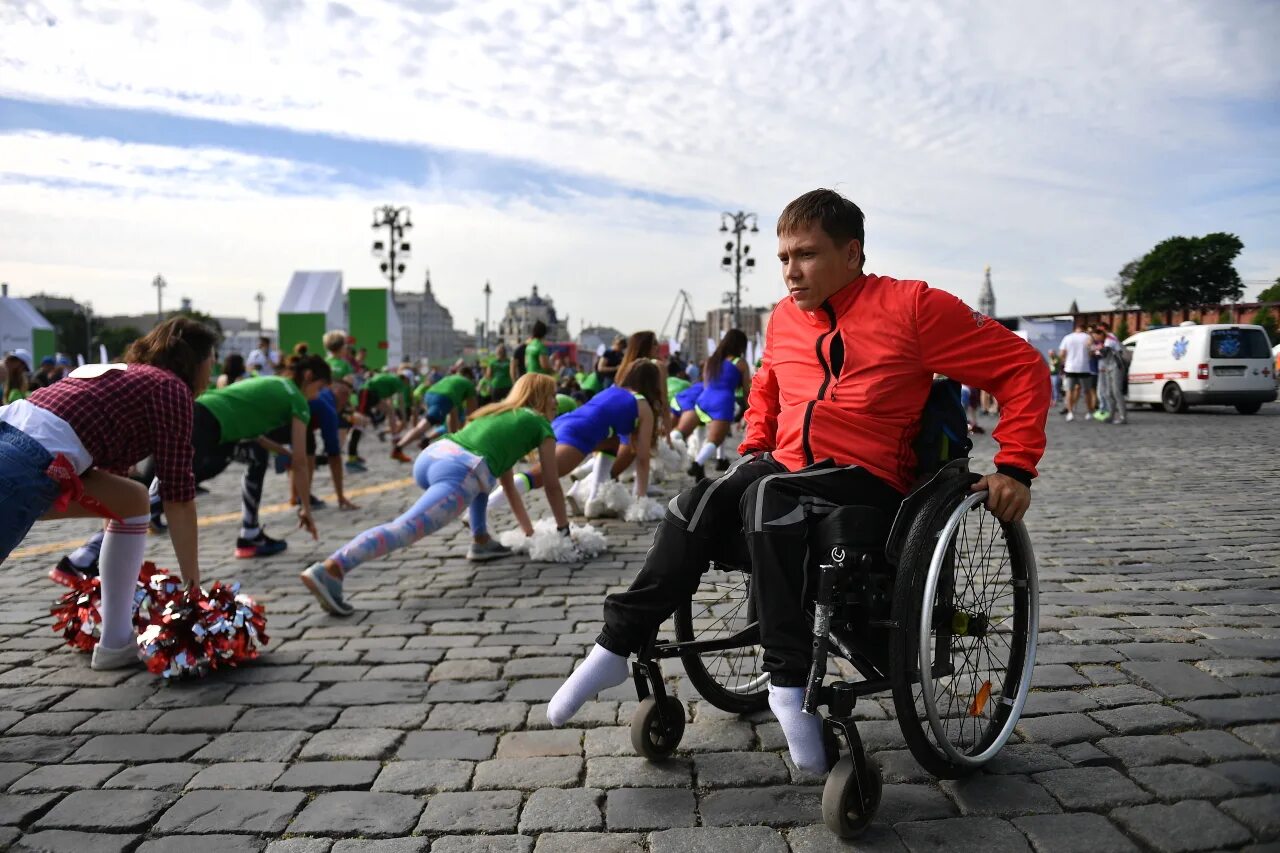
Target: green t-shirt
(15, 395)
(675, 385)
(565, 403)
(501, 373)
(456, 387)
(533, 352)
(503, 438)
(386, 385)
(255, 406)
(339, 367)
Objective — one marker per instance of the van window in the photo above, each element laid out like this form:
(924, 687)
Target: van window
(1238, 343)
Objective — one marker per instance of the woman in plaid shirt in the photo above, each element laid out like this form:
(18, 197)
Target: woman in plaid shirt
(66, 450)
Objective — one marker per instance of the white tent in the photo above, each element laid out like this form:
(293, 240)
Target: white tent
(23, 327)
(312, 305)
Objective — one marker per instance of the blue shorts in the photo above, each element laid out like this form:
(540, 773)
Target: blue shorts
(438, 407)
(26, 491)
(579, 434)
(718, 404)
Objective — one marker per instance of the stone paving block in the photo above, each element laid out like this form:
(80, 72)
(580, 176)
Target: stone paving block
(105, 698)
(649, 808)
(1234, 712)
(137, 748)
(253, 746)
(1043, 702)
(739, 769)
(189, 695)
(18, 809)
(40, 749)
(1251, 775)
(635, 772)
(118, 722)
(1091, 788)
(540, 744)
(1146, 750)
(526, 774)
(999, 796)
(1142, 719)
(902, 802)
(1183, 827)
(786, 805)
(741, 839)
(489, 717)
(964, 833)
(483, 844)
(385, 845)
(359, 813)
(186, 843)
(328, 775)
(1074, 833)
(422, 777)
(1116, 695)
(1176, 680)
(608, 740)
(238, 775)
(64, 777)
(366, 693)
(300, 845)
(1264, 737)
(1175, 782)
(876, 838)
(1056, 675)
(1219, 745)
(1085, 754)
(553, 809)
(49, 723)
(1023, 758)
(305, 718)
(589, 842)
(470, 745)
(1059, 729)
(166, 776)
(63, 841)
(106, 811)
(718, 736)
(1260, 814)
(471, 811)
(253, 812)
(218, 718)
(399, 716)
(278, 693)
(370, 743)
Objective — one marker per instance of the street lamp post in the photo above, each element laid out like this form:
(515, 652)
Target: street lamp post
(396, 221)
(259, 298)
(159, 284)
(484, 338)
(739, 260)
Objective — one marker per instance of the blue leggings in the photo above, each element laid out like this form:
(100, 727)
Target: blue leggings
(453, 479)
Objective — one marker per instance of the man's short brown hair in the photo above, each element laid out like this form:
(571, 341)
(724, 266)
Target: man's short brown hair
(841, 219)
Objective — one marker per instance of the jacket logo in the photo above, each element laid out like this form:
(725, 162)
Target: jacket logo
(979, 318)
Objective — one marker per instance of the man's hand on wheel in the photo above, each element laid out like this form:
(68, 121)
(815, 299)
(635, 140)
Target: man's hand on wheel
(1007, 499)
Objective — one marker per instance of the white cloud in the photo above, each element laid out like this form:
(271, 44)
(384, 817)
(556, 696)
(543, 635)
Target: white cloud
(1054, 141)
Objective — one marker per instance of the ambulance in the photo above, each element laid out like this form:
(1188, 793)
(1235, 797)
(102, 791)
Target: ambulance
(1201, 365)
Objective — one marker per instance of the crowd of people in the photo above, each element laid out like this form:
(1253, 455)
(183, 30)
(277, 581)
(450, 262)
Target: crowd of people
(827, 415)
(1090, 366)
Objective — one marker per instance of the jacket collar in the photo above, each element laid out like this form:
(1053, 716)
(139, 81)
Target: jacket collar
(840, 301)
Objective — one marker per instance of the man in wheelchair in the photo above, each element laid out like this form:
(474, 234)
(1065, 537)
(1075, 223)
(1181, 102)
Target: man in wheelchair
(848, 363)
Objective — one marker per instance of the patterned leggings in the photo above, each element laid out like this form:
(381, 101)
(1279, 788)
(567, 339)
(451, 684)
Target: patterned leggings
(453, 479)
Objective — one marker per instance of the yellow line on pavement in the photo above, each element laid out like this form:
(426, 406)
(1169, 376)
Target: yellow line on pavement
(209, 520)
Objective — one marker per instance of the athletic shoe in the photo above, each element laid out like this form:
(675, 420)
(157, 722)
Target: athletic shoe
(327, 589)
(977, 430)
(696, 471)
(104, 658)
(722, 464)
(356, 467)
(157, 524)
(400, 456)
(317, 503)
(68, 574)
(598, 508)
(1071, 416)
(491, 550)
(261, 546)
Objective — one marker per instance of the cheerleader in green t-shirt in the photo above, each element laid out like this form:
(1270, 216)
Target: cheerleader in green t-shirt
(456, 474)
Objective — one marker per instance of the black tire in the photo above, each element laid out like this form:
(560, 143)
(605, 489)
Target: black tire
(843, 811)
(1172, 399)
(733, 691)
(649, 737)
(904, 671)
(1248, 408)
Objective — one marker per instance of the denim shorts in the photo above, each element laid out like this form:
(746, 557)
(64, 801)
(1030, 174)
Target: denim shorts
(438, 407)
(26, 491)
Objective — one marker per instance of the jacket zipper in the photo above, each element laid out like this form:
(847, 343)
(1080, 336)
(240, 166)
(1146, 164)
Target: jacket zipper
(826, 380)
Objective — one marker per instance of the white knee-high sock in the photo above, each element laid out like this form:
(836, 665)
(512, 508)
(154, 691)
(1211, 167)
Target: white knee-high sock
(601, 670)
(802, 731)
(708, 450)
(600, 472)
(118, 567)
(498, 498)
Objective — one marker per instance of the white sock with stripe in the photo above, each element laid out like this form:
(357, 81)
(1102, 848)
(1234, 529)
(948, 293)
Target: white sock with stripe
(118, 567)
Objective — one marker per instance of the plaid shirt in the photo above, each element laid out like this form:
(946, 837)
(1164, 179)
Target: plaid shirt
(124, 416)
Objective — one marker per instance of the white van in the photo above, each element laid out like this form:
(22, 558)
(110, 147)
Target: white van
(1194, 365)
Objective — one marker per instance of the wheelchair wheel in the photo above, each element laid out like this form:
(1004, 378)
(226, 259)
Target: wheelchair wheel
(965, 601)
(733, 680)
(650, 738)
(846, 809)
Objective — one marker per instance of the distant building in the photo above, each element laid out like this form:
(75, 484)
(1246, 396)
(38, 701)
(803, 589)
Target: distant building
(426, 327)
(522, 313)
(591, 338)
(987, 297)
(45, 303)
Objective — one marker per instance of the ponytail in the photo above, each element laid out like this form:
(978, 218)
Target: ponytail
(179, 345)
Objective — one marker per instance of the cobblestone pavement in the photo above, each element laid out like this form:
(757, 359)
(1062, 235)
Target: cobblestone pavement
(420, 721)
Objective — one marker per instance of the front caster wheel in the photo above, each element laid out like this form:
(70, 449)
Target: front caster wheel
(649, 736)
(847, 807)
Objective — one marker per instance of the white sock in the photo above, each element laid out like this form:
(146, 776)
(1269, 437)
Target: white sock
(498, 498)
(118, 567)
(601, 670)
(720, 450)
(675, 435)
(708, 450)
(802, 731)
(583, 469)
(600, 473)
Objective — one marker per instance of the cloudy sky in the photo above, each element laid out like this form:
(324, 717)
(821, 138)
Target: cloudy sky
(591, 147)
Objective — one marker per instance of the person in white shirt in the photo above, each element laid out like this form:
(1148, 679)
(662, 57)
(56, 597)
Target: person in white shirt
(263, 360)
(1076, 377)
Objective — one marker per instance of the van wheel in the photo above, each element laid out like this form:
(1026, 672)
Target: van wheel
(1172, 399)
(1248, 408)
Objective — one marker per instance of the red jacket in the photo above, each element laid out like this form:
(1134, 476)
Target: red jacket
(848, 381)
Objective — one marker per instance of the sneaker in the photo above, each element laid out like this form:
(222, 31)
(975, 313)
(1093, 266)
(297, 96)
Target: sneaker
(355, 467)
(67, 574)
(1071, 416)
(400, 456)
(491, 550)
(722, 464)
(326, 588)
(317, 503)
(261, 546)
(158, 525)
(105, 658)
(597, 508)
(696, 471)
(977, 429)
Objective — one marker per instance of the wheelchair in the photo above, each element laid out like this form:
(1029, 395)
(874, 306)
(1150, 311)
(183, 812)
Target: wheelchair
(937, 605)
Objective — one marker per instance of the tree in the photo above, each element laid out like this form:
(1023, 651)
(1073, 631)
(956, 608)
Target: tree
(1124, 279)
(117, 340)
(1271, 294)
(1187, 271)
(69, 332)
(1267, 320)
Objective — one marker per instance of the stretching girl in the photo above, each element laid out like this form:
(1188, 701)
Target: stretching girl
(448, 402)
(622, 413)
(65, 452)
(724, 372)
(456, 473)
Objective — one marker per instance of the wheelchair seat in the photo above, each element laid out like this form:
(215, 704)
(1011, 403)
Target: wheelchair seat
(856, 527)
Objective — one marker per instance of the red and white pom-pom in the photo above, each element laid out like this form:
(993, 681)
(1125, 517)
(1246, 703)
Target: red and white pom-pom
(199, 632)
(76, 614)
